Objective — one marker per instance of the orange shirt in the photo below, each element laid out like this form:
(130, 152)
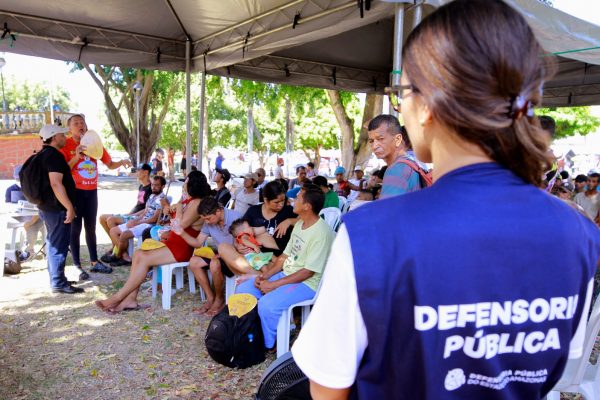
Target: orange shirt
(85, 172)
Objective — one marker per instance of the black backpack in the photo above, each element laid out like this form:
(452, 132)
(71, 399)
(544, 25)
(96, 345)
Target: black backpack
(35, 182)
(235, 342)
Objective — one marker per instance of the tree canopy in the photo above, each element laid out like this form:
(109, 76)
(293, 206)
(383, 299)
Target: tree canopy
(572, 121)
(28, 96)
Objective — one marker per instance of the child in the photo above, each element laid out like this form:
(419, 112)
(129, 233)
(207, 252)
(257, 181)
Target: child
(255, 244)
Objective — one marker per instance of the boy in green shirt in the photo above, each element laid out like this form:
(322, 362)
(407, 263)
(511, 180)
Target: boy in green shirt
(331, 197)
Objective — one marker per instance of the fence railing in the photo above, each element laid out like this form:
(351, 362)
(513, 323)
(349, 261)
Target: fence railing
(29, 121)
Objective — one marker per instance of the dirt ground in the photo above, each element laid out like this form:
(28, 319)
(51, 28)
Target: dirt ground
(58, 346)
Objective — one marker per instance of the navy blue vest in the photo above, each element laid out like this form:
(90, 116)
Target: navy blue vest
(469, 289)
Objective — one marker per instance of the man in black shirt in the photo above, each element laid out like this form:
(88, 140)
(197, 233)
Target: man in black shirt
(222, 176)
(56, 209)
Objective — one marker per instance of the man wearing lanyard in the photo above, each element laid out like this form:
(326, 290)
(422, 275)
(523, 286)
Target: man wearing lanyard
(84, 170)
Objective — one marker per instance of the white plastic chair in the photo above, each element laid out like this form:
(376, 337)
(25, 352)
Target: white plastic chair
(284, 325)
(343, 203)
(229, 288)
(581, 376)
(332, 216)
(167, 271)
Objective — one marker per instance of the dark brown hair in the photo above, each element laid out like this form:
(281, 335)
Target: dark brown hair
(471, 61)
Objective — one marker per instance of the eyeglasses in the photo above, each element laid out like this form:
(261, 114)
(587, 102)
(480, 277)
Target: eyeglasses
(396, 96)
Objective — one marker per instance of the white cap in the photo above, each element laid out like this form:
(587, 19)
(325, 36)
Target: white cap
(358, 168)
(50, 130)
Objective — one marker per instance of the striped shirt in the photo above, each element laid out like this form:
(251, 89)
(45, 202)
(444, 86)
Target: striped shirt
(399, 179)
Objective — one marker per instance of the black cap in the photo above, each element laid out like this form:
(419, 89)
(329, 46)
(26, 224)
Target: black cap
(225, 173)
(146, 167)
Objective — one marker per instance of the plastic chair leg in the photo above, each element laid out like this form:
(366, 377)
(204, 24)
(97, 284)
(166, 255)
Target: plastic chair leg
(305, 314)
(191, 281)
(130, 248)
(179, 278)
(553, 396)
(283, 333)
(154, 280)
(167, 287)
(229, 288)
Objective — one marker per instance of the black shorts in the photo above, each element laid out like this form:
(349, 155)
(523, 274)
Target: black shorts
(224, 268)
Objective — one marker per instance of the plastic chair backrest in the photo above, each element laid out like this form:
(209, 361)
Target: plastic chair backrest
(332, 215)
(342, 204)
(591, 333)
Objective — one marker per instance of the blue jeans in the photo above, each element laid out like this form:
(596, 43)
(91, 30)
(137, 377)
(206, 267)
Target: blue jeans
(86, 209)
(273, 304)
(58, 234)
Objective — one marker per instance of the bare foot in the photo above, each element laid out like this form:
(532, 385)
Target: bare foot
(216, 308)
(202, 310)
(104, 305)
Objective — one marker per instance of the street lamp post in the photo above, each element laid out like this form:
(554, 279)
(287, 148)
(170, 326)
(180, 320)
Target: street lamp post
(2, 64)
(137, 87)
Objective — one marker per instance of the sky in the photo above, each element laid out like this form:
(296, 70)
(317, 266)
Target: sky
(87, 98)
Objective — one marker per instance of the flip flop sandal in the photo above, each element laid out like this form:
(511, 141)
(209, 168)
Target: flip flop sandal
(138, 307)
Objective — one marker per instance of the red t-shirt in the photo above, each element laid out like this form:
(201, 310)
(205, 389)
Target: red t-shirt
(85, 172)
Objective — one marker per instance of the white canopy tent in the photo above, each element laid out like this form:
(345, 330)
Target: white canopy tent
(336, 44)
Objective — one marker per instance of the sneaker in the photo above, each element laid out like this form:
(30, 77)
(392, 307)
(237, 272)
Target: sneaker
(101, 268)
(108, 258)
(24, 255)
(83, 276)
(120, 262)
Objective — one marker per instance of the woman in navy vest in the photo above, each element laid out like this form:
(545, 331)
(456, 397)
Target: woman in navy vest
(453, 291)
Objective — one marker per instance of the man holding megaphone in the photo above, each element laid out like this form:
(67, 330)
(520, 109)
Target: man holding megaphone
(82, 150)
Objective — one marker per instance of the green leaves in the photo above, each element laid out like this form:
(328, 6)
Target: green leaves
(571, 121)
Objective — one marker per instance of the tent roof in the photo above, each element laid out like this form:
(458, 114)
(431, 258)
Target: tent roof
(331, 45)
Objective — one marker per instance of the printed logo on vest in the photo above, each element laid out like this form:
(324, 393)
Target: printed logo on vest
(454, 379)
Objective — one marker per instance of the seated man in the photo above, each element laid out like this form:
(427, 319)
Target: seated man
(341, 186)
(32, 225)
(109, 221)
(120, 235)
(296, 274)
(217, 221)
(246, 196)
(300, 178)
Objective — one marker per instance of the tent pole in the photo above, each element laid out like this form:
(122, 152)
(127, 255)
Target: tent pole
(188, 135)
(397, 58)
(201, 127)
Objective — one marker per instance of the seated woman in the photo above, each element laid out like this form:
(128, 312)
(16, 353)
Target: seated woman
(273, 215)
(175, 249)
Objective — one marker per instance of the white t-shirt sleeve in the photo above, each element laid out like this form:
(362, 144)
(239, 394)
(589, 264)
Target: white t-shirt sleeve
(578, 341)
(333, 340)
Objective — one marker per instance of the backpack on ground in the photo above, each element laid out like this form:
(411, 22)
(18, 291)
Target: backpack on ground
(425, 177)
(235, 342)
(35, 182)
(12, 267)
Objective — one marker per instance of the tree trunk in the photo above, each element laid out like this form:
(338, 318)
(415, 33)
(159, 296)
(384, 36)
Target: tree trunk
(289, 134)
(373, 107)
(355, 153)
(149, 135)
(346, 127)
